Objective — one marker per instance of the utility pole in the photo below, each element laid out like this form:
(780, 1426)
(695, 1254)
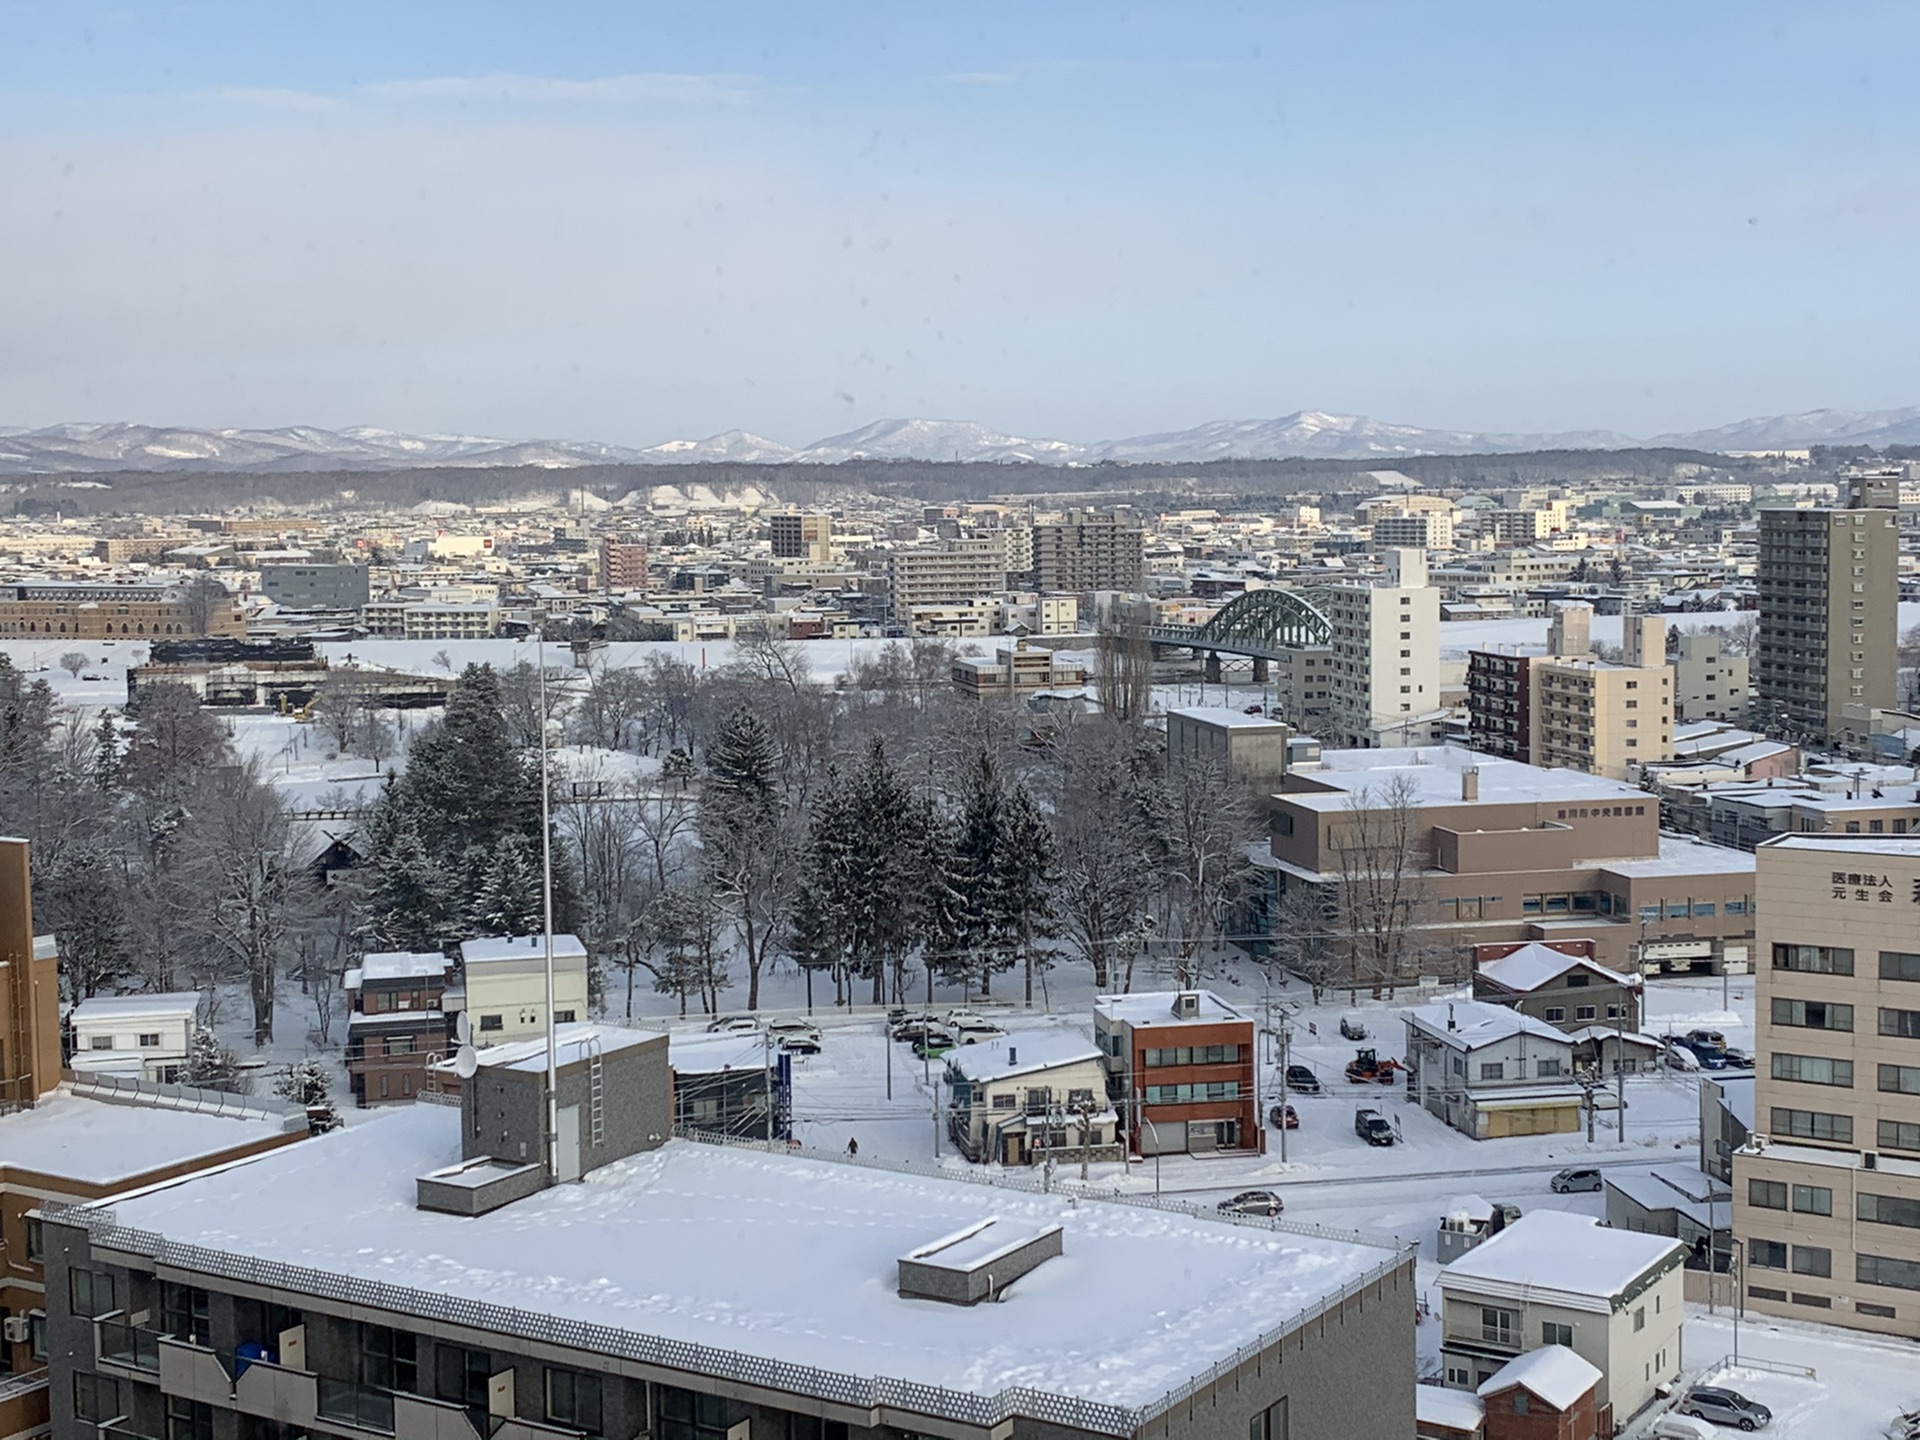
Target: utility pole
(1286, 1039)
(546, 897)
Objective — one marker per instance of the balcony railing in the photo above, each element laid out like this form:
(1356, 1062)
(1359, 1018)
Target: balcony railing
(130, 1345)
(359, 1405)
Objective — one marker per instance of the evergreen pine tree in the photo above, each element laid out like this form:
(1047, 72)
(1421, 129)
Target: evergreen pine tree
(108, 768)
(408, 894)
(508, 900)
(1026, 875)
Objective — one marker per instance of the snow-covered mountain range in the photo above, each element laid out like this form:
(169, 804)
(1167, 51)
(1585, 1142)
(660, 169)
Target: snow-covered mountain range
(96, 448)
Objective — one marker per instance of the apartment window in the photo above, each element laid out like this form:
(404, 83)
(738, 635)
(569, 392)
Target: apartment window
(1548, 1068)
(1813, 1199)
(91, 1292)
(1814, 959)
(149, 1039)
(1584, 1012)
(1812, 1014)
(1767, 1254)
(1818, 1125)
(1900, 1079)
(183, 1313)
(1898, 1135)
(95, 1398)
(1736, 907)
(1885, 1270)
(1678, 911)
(462, 1375)
(1194, 1055)
(573, 1398)
(1888, 1210)
(685, 1415)
(1898, 965)
(387, 1359)
(189, 1419)
(1767, 1194)
(100, 1042)
(563, 1017)
(1814, 1260)
(36, 1239)
(1702, 907)
(1493, 1070)
(1271, 1423)
(1813, 1069)
(1554, 1014)
(1554, 1333)
(1640, 1318)
(1904, 1024)
(498, 1022)
(1006, 1101)
(1497, 1325)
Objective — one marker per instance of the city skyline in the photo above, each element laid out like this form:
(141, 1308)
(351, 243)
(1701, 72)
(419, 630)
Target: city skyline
(639, 225)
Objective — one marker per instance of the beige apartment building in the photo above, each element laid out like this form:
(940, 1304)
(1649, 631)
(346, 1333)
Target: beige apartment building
(1601, 716)
(797, 535)
(1385, 661)
(1708, 683)
(1827, 1191)
(957, 572)
(1088, 550)
(1500, 852)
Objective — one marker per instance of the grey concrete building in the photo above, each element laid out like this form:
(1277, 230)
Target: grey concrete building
(315, 587)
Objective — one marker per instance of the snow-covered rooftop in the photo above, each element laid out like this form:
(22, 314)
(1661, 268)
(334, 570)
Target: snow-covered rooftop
(1448, 1409)
(1022, 1054)
(403, 965)
(571, 1043)
(1907, 847)
(1573, 1256)
(167, 1005)
(1225, 718)
(102, 1143)
(1469, 1024)
(1553, 1372)
(1155, 1007)
(1432, 777)
(710, 1054)
(1683, 855)
(787, 1258)
(1535, 964)
(520, 947)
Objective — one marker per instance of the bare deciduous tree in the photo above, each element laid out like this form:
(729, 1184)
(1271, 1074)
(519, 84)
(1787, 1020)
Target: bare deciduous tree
(1378, 848)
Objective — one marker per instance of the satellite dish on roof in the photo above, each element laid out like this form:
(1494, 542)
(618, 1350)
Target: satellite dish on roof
(466, 1062)
(463, 1028)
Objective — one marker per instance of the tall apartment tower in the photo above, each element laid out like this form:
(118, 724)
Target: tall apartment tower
(1829, 590)
(623, 564)
(1827, 1193)
(1385, 657)
(797, 535)
(29, 991)
(1088, 550)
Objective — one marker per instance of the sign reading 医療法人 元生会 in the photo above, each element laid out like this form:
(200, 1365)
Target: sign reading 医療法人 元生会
(1867, 888)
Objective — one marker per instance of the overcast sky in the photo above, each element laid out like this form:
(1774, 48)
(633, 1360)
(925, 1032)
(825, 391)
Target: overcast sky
(630, 222)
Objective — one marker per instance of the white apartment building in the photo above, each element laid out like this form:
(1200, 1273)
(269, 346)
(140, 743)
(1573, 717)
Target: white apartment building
(1385, 658)
(504, 993)
(1423, 530)
(430, 620)
(1708, 683)
(146, 1037)
(1552, 1277)
(955, 573)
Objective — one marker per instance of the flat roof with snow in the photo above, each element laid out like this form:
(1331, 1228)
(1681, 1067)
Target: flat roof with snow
(520, 947)
(1430, 775)
(1909, 846)
(405, 965)
(1225, 718)
(788, 1258)
(1155, 1007)
(101, 1143)
(1022, 1054)
(168, 1005)
(1573, 1259)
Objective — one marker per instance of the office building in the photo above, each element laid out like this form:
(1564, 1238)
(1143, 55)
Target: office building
(1827, 1190)
(801, 536)
(315, 587)
(1829, 587)
(1385, 657)
(1015, 673)
(1089, 550)
(1422, 530)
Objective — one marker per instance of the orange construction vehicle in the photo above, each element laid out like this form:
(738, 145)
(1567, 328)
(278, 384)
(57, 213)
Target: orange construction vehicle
(1367, 1068)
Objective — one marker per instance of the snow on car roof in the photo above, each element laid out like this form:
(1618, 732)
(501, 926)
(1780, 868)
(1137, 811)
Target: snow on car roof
(1553, 1372)
(1559, 1251)
(789, 1258)
(169, 1005)
(1010, 1055)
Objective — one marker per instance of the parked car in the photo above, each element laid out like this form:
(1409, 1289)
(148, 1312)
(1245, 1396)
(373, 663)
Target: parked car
(1373, 1127)
(1725, 1407)
(1708, 1037)
(1252, 1202)
(1711, 1054)
(1675, 1426)
(1739, 1060)
(933, 1043)
(971, 1034)
(800, 1036)
(1679, 1057)
(1575, 1179)
(734, 1025)
(918, 1027)
(955, 1019)
(1284, 1116)
(1351, 1028)
(1302, 1080)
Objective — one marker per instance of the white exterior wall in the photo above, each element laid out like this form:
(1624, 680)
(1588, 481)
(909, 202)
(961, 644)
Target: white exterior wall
(516, 991)
(1386, 663)
(171, 1036)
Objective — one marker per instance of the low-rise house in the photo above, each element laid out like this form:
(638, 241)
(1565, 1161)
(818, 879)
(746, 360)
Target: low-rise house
(396, 1024)
(1677, 1201)
(1558, 982)
(504, 986)
(1545, 1394)
(1022, 1098)
(1557, 1278)
(1470, 1220)
(1180, 1069)
(731, 1084)
(1726, 1121)
(147, 1037)
(1491, 1072)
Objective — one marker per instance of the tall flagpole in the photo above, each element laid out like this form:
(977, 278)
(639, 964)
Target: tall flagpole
(546, 891)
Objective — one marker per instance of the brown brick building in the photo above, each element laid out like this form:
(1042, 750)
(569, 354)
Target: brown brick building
(1181, 1071)
(102, 611)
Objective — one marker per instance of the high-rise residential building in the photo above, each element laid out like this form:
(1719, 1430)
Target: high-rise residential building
(1089, 550)
(1708, 683)
(1829, 586)
(623, 564)
(1385, 657)
(1602, 716)
(1827, 1190)
(953, 573)
(798, 535)
(1422, 530)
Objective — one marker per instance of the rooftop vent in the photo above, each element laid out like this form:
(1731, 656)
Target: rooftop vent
(979, 1262)
(1186, 1004)
(1470, 783)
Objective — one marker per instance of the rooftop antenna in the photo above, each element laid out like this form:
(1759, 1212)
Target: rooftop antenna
(546, 900)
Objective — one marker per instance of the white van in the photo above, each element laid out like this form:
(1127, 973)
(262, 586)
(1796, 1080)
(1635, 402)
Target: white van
(1681, 1427)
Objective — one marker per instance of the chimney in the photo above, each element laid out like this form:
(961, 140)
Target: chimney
(1450, 1023)
(1470, 783)
(1013, 1055)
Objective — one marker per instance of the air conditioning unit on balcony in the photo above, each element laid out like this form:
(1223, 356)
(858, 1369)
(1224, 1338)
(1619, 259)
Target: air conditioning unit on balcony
(16, 1328)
